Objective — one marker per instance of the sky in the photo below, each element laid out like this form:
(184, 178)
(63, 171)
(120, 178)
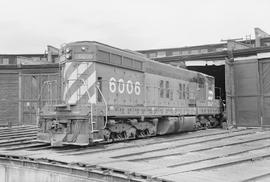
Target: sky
(28, 26)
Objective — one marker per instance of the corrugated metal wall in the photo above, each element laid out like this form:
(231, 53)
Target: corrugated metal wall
(264, 67)
(9, 96)
(20, 86)
(248, 91)
(33, 86)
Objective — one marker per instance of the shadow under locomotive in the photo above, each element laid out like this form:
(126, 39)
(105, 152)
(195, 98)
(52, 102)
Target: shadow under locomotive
(108, 94)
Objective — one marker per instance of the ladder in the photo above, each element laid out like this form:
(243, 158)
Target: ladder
(96, 135)
(95, 132)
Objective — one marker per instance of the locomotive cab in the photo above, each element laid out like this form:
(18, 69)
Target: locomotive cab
(71, 121)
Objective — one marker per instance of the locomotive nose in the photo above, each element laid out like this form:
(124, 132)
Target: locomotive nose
(79, 80)
(56, 140)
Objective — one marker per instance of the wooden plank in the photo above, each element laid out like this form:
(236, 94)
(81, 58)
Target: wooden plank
(182, 149)
(26, 146)
(129, 166)
(194, 157)
(18, 134)
(215, 163)
(17, 139)
(71, 160)
(170, 145)
(18, 131)
(7, 145)
(157, 146)
(153, 140)
(247, 171)
(18, 128)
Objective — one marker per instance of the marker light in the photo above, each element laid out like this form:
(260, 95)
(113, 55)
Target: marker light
(68, 56)
(68, 50)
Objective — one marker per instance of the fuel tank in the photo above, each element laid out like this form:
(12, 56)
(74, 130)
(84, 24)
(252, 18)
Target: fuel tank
(168, 125)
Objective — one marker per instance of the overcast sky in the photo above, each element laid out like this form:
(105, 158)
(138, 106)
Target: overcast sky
(28, 26)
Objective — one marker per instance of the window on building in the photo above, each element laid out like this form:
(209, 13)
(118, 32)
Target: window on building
(152, 55)
(161, 88)
(4, 61)
(219, 49)
(204, 51)
(185, 52)
(194, 52)
(161, 54)
(176, 53)
(167, 89)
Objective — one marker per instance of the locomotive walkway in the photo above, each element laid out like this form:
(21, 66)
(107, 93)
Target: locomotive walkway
(241, 154)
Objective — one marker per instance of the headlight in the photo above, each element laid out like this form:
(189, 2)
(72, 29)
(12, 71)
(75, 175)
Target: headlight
(68, 50)
(68, 56)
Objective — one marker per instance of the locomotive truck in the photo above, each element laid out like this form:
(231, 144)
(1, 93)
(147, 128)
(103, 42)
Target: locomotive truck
(108, 94)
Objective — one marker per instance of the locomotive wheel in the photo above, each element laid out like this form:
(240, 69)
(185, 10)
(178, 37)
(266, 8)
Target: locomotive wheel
(151, 131)
(131, 133)
(208, 124)
(198, 125)
(214, 122)
(145, 129)
(107, 134)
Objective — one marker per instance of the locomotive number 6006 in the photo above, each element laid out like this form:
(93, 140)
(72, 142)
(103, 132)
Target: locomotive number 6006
(129, 86)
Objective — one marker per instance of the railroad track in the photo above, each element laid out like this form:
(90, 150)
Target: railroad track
(198, 156)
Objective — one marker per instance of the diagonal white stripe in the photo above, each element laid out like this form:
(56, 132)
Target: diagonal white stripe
(67, 65)
(93, 99)
(78, 71)
(90, 81)
(75, 75)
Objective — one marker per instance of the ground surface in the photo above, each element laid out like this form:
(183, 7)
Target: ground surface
(208, 155)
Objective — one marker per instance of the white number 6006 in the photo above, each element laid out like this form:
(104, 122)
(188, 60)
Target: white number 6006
(121, 86)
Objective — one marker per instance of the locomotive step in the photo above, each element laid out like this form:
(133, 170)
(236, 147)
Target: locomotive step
(63, 107)
(97, 140)
(94, 131)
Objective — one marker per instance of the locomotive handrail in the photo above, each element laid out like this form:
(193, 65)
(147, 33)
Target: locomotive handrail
(88, 94)
(106, 106)
(84, 83)
(105, 102)
(49, 82)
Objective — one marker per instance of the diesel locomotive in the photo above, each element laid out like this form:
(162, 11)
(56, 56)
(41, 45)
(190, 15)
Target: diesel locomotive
(108, 94)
